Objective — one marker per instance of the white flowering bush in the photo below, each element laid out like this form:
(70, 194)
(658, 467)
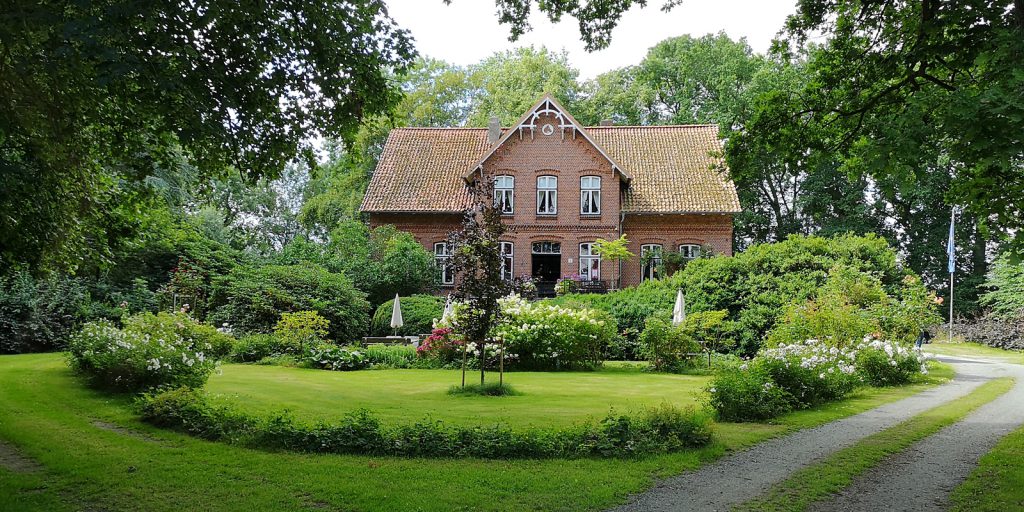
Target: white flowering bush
(544, 336)
(799, 375)
(133, 360)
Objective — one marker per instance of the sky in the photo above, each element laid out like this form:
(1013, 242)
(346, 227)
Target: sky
(468, 31)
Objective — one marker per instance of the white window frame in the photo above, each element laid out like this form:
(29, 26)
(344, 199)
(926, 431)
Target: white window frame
(505, 193)
(547, 186)
(649, 267)
(587, 258)
(590, 188)
(692, 251)
(442, 257)
(507, 260)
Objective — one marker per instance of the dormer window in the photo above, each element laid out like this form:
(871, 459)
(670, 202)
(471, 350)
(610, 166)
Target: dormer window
(590, 195)
(504, 194)
(547, 195)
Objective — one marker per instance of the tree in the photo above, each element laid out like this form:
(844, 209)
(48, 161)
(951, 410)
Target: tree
(97, 96)
(506, 84)
(615, 250)
(894, 77)
(477, 263)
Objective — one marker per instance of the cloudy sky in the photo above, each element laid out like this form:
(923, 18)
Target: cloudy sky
(467, 31)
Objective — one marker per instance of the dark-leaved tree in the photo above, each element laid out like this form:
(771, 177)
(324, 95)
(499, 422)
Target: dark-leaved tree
(477, 261)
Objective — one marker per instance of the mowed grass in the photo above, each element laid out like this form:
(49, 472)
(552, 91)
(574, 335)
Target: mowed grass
(975, 350)
(546, 399)
(997, 484)
(49, 417)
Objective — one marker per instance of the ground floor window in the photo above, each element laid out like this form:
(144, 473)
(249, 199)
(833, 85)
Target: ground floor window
(650, 260)
(590, 263)
(507, 259)
(442, 258)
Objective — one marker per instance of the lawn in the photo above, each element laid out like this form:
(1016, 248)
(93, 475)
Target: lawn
(403, 396)
(94, 454)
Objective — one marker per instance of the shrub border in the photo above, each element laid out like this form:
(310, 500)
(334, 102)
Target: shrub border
(659, 430)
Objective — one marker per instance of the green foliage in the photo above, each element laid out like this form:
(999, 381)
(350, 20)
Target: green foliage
(327, 356)
(137, 358)
(204, 338)
(39, 314)
(660, 430)
(667, 347)
(251, 299)
(256, 347)
(488, 389)
(418, 315)
(540, 335)
(742, 395)
(103, 99)
(509, 83)
(381, 262)
(302, 328)
(394, 356)
(1006, 289)
(877, 368)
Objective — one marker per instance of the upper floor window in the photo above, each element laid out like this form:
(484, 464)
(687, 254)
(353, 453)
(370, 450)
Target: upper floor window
(547, 195)
(507, 259)
(650, 260)
(590, 263)
(689, 251)
(442, 258)
(504, 193)
(590, 195)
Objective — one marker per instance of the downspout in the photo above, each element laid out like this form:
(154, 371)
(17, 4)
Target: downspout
(622, 219)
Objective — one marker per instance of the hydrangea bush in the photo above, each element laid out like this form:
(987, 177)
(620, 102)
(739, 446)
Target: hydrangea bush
(131, 359)
(541, 335)
(800, 375)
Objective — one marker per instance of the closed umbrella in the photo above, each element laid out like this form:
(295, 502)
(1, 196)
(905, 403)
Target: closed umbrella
(396, 315)
(449, 309)
(679, 311)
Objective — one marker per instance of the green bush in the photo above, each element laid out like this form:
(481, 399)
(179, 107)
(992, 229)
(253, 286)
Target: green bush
(660, 430)
(418, 315)
(326, 356)
(1005, 285)
(251, 300)
(256, 347)
(135, 360)
(743, 395)
(206, 338)
(542, 336)
(302, 328)
(669, 348)
(39, 315)
(882, 363)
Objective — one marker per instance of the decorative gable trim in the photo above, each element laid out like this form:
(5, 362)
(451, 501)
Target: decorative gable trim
(547, 105)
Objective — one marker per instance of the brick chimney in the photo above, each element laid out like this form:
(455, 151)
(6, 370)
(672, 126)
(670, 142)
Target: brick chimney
(606, 122)
(493, 130)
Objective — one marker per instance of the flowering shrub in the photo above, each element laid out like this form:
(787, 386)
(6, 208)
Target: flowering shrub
(332, 357)
(213, 342)
(442, 345)
(540, 335)
(133, 360)
(808, 373)
(884, 363)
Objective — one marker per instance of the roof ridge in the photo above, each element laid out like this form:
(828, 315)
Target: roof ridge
(706, 125)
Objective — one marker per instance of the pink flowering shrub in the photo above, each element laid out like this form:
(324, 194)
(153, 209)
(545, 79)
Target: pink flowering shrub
(442, 345)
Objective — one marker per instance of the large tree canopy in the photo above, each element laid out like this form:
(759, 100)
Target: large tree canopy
(97, 96)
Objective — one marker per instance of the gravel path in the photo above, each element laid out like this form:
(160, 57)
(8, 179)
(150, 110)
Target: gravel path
(745, 475)
(922, 477)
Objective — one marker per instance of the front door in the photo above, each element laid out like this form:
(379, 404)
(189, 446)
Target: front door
(547, 267)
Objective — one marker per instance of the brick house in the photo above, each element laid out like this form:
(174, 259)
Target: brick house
(561, 186)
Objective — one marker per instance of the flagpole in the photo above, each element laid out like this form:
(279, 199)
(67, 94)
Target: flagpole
(950, 308)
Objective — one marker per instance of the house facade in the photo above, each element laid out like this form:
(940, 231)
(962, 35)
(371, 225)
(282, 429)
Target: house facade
(560, 187)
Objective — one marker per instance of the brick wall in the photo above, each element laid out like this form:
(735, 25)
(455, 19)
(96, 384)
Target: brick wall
(671, 231)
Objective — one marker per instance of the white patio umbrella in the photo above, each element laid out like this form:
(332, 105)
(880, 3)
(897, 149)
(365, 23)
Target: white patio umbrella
(679, 311)
(449, 309)
(396, 315)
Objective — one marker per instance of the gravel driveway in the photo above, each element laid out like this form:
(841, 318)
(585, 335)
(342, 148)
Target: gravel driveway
(744, 475)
